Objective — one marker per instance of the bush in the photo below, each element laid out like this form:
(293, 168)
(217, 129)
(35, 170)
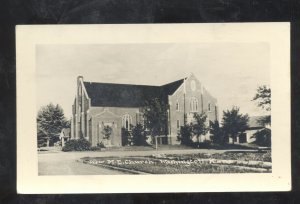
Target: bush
(100, 145)
(77, 145)
(96, 148)
(207, 144)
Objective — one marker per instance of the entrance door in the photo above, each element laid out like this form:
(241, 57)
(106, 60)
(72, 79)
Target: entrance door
(107, 132)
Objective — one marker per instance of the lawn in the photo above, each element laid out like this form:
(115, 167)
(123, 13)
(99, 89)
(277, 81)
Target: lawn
(229, 162)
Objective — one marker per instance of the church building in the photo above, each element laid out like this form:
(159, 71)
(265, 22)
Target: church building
(97, 105)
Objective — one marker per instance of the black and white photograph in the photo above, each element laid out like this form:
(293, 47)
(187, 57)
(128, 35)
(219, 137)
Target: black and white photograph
(143, 107)
(153, 109)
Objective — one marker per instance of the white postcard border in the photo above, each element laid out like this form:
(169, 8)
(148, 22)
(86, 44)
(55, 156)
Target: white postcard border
(276, 34)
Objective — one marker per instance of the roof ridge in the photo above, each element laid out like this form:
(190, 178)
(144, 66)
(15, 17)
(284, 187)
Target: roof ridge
(120, 84)
(174, 82)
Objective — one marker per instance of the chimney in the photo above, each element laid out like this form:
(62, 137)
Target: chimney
(79, 77)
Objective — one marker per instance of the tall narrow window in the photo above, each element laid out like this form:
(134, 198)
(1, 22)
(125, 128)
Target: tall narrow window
(127, 121)
(194, 105)
(209, 107)
(177, 106)
(178, 124)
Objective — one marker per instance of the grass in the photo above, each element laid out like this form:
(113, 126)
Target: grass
(241, 156)
(188, 164)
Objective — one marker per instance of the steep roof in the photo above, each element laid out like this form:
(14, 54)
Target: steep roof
(127, 95)
(169, 89)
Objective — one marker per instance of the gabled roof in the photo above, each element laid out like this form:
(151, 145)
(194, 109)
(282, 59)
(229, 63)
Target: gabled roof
(127, 95)
(169, 89)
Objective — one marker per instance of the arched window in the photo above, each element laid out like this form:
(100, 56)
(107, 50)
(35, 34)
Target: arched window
(177, 106)
(126, 121)
(194, 105)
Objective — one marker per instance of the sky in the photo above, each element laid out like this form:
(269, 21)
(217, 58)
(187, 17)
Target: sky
(231, 72)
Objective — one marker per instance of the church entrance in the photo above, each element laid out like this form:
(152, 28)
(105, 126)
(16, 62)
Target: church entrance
(107, 132)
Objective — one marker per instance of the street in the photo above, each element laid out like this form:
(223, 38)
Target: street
(65, 163)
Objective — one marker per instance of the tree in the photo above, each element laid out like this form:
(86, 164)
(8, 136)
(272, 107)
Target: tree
(199, 127)
(138, 134)
(156, 116)
(50, 122)
(234, 123)
(217, 132)
(263, 99)
(185, 135)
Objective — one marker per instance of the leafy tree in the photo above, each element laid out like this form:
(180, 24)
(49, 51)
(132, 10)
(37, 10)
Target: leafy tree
(42, 137)
(199, 127)
(185, 135)
(156, 116)
(50, 122)
(217, 132)
(234, 123)
(107, 131)
(138, 134)
(263, 99)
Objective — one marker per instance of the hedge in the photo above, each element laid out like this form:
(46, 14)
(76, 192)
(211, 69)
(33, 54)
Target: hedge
(77, 145)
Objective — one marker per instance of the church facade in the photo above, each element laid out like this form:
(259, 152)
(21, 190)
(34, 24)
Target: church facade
(97, 105)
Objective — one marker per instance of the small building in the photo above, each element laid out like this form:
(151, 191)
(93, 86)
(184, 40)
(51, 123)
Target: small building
(98, 105)
(65, 135)
(254, 125)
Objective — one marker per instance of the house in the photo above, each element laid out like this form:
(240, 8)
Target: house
(64, 136)
(97, 105)
(254, 125)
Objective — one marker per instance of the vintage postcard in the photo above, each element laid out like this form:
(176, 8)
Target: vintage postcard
(153, 108)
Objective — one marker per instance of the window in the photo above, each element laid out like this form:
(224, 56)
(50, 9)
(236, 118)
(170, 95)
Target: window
(194, 105)
(177, 106)
(178, 124)
(127, 121)
(209, 107)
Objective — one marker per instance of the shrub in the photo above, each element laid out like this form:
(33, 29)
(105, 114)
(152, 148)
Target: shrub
(96, 148)
(207, 144)
(77, 145)
(100, 145)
